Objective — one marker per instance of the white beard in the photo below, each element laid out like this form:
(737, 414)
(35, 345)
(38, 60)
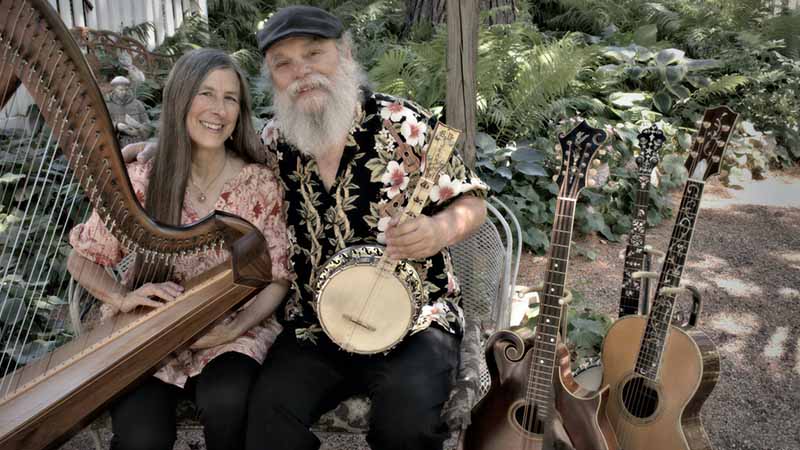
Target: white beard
(325, 120)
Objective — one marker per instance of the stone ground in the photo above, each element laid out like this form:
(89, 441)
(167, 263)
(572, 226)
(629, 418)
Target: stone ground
(745, 259)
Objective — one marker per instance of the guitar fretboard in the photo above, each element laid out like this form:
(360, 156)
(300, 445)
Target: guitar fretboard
(634, 252)
(648, 361)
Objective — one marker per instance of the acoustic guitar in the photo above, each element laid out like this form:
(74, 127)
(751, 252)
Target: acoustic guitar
(658, 387)
(529, 381)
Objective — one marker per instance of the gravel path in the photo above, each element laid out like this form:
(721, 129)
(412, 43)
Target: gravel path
(745, 259)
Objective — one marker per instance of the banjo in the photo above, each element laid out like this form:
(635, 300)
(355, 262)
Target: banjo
(365, 302)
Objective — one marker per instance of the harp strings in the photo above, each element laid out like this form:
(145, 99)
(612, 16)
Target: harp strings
(30, 263)
(28, 260)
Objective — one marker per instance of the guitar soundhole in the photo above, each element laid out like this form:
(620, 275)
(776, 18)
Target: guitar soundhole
(526, 417)
(639, 398)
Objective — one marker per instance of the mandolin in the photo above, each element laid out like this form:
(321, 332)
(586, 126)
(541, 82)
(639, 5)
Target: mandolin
(530, 379)
(651, 140)
(658, 387)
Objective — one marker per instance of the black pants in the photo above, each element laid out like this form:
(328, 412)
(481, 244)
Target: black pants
(144, 418)
(408, 387)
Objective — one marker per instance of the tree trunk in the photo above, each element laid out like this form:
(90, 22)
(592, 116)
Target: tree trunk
(462, 58)
(434, 12)
(505, 13)
(429, 12)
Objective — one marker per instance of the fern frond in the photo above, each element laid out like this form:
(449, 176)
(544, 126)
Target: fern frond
(721, 87)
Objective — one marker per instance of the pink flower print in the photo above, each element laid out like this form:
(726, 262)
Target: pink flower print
(474, 183)
(434, 311)
(383, 224)
(394, 111)
(395, 178)
(445, 189)
(257, 210)
(413, 131)
(452, 283)
(270, 133)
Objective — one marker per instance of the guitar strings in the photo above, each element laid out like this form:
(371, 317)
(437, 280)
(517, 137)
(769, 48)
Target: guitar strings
(539, 409)
(640, 393)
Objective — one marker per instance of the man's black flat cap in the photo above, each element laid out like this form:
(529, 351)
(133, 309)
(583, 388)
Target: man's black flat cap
(298, 21)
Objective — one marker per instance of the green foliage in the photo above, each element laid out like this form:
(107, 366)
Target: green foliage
(39, 200)
(586, 328)
(625, 64)
(524, 79)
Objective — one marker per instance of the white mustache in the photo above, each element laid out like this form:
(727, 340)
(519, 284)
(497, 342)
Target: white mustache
(311, 81)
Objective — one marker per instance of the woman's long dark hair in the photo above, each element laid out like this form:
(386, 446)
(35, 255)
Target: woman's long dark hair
(172, 164)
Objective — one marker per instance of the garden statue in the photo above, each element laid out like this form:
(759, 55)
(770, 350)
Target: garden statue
(128, 114)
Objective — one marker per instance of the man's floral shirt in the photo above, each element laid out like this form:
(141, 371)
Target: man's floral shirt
(376, 177)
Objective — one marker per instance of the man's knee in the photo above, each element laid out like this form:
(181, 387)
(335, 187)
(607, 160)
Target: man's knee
(408, 430)
(150, 440)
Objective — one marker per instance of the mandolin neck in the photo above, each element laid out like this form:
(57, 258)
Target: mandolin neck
(548, 325)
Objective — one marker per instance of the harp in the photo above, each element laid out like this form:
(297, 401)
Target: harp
(43, 399)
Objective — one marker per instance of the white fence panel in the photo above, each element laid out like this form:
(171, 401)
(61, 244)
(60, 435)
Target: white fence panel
(114, 15)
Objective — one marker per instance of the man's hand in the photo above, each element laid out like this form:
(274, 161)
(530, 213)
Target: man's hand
(139, 151)
(151, 295)
(416, 238)
(220, 334)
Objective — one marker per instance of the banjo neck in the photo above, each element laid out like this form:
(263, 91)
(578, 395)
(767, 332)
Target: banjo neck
(438, 153)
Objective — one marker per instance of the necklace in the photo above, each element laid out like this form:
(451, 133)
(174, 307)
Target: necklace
(202, 192)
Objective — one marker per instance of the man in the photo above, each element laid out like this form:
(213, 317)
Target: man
(349, 160)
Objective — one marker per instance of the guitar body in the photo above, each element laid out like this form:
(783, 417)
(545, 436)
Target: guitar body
(668, 418)
(498, 419)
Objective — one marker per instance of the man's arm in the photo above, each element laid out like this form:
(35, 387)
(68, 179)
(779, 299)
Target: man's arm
(425, 236)
(142, 151)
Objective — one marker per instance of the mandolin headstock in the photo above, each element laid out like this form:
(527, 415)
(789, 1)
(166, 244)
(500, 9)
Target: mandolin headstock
(709, 143)
(578, 149)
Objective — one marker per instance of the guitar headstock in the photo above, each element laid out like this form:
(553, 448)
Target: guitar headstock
(440, 148)
(710, 142)
(651, 139)
(578, 149)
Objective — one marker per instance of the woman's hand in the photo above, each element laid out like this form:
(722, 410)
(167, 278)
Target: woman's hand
(151, 295)
(220, 334)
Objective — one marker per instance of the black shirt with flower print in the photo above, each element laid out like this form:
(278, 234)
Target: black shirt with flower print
(373, 178)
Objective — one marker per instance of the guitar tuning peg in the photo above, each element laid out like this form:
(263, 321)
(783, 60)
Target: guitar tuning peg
(596, 163)
(555, 177)
(591, 183)
(592, 172)
(602, 152)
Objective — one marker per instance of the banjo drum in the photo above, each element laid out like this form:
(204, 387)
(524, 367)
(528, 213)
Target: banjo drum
(366, 303)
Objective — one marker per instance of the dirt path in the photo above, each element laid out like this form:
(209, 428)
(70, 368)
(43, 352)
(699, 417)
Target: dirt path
(745, 259)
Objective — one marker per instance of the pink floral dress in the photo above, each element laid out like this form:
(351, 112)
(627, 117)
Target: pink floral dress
(253, 194)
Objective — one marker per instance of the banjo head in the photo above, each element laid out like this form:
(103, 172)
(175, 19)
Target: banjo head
(363, 309)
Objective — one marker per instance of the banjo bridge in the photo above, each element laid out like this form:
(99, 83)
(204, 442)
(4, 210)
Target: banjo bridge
(359, 322)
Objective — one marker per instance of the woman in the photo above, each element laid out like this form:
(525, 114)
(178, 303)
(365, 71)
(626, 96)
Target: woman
(206, 125)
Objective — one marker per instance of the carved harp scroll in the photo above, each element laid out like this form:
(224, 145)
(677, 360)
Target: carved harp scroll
(45, 399)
